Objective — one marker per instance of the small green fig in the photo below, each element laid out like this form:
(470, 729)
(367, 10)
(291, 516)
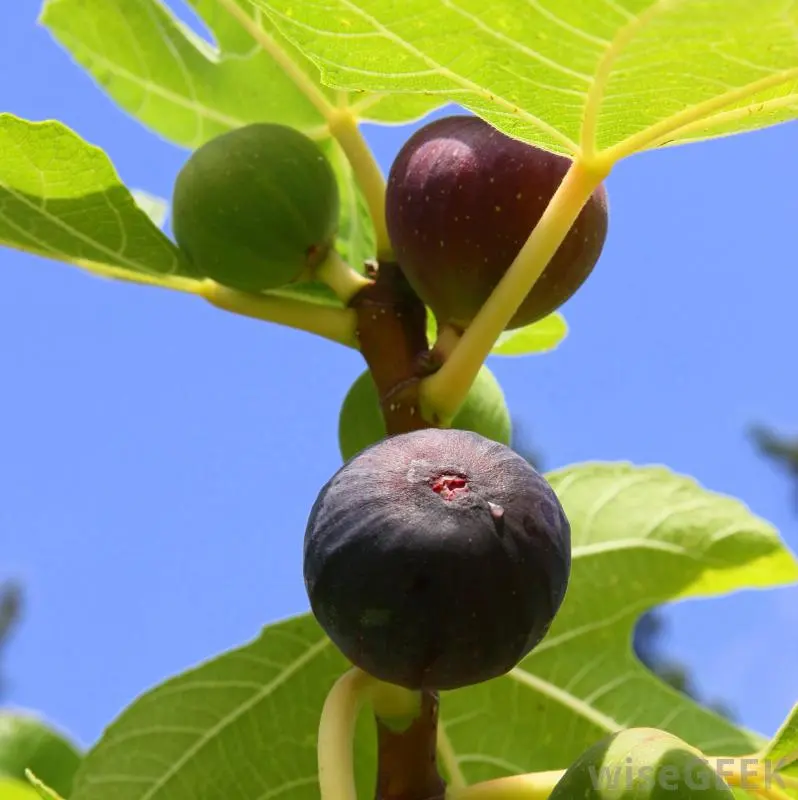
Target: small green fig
(256, 207)
(641, 764)
(361, 424)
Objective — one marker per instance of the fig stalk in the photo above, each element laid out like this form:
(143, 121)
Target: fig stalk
(443, 392)
(530, 786)
(336, 324)
(391, 319)
(407, 763)
(344, 281)
(337, 733)
(344, 128)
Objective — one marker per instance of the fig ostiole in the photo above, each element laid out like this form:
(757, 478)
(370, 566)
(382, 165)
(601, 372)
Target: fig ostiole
(641, 764)
(436, 559)
(256, 208)
(461, 201)
(361, 422)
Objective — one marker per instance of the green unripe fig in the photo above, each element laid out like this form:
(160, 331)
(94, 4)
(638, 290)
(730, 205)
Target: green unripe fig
(256, 207)
(361, 424)
(641, 764)
(26, 742)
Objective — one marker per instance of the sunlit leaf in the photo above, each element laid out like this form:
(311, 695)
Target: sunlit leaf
(17, 790)
(61, 198)
(568, 76)
(156, 208)
(539, 337)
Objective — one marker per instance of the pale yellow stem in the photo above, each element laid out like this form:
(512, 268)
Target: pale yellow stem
(344, 127)
(443, 392)
(337, 324)
(532, 786)
(340, 277)
(337, 735)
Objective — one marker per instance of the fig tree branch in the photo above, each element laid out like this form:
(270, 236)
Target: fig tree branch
(407, 764)
(392, 336)
(443, 392)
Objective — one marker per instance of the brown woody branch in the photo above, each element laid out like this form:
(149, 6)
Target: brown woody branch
(392, 335)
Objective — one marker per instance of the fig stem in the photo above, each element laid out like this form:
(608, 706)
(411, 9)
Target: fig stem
(301, 79)
(336, 324)
(446, 340)
(396, 706)
(337, 734)
(369, 177)
(532, 786)
(345, 281)
(443, 392)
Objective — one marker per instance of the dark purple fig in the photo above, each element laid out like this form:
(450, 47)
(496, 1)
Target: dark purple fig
(461, 201)
(436, 559)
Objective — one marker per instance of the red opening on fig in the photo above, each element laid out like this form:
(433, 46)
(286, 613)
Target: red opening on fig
(450, 486)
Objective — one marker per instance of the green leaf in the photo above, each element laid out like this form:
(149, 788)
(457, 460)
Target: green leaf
(642, 536)
(17, 790)
(28, 743)
(244, 724)
(573, 76)
(155, 68)
(61, 198)
(156, 208)
(188, 90)
(782, 751)
(539, 337)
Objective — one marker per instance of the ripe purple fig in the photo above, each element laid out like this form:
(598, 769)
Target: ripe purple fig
(461, 201)
(436, 559)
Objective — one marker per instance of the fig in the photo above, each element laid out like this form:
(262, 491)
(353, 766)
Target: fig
(27, 743)
(256, 207)
(361, 423)
(462, 199)
(641, 764)
(436, 559)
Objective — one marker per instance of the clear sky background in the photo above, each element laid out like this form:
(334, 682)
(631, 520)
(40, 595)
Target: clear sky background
(158, 457)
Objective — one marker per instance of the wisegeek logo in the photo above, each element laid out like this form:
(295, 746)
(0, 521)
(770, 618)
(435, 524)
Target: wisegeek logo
(744, 773)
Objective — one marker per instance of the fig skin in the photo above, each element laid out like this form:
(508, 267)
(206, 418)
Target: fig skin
(462, 199)
(436, 559)
(361, 424)
(256, 207)
(641, 764)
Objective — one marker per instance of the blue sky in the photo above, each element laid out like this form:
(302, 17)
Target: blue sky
(159, 457)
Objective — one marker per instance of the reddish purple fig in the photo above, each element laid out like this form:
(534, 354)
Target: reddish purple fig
(461, 201)
(436, 559)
